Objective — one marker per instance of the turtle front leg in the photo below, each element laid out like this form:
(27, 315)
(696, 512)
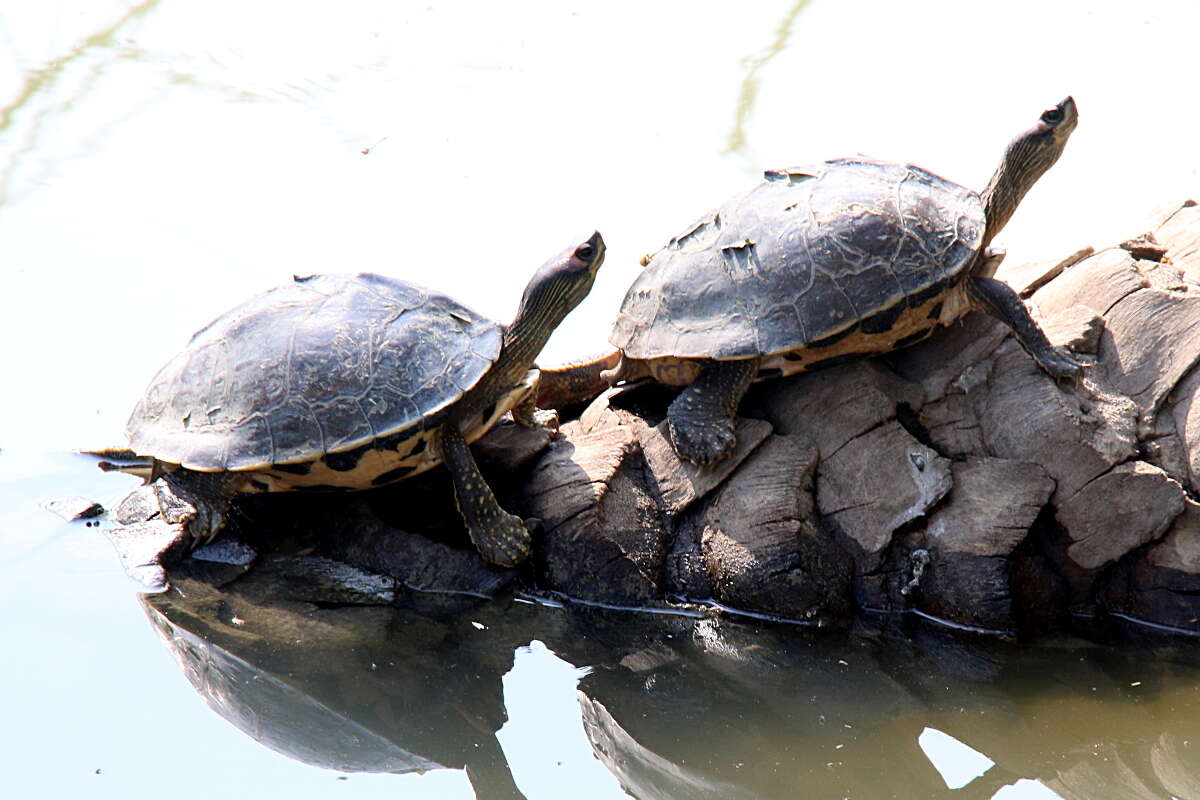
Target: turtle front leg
(500, 537)
(701, 418)
(1000, 301)
(527, 414)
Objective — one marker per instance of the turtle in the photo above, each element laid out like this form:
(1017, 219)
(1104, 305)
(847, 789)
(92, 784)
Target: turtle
(344, 381)
(820, 264)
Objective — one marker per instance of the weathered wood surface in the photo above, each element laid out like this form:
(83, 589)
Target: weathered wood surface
(953, 479)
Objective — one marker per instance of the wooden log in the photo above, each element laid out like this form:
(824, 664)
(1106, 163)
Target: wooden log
(1139, 503)
(972, 538)
(762, 544)
(603, 537)
(953, 479)
(875, 485)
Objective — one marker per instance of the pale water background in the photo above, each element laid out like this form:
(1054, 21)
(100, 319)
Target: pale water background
(161, 161)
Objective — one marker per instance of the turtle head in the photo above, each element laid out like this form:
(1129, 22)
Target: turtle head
(557, 287)
(562, 282)
(1027, 158)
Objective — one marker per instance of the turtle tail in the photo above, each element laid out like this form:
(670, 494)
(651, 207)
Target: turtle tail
(118, 459)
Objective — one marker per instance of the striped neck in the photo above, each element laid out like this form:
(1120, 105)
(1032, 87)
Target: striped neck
(542, 309)
(1018, 171)
(1026, 159)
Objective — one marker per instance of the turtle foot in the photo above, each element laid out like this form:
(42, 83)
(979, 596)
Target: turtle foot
(503, 540)
(1060, 364)
(701, 418)
(546, 418)
(703, 443)
(206, 524)
(199, 501)
(999, 300)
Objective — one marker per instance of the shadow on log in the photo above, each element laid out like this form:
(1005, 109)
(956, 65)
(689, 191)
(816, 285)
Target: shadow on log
(954, 479)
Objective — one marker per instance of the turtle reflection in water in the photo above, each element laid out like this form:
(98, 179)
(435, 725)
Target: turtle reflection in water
(351, 382)
(821, 264)
(354, 685)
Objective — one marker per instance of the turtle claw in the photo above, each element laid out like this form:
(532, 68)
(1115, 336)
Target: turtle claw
(205, 527)
(503, 541)
(701, 418)
(1061, 365)
(546, 418)
(703, 444)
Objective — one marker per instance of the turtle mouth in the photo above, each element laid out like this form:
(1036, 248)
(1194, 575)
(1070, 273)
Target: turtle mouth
(596, 264)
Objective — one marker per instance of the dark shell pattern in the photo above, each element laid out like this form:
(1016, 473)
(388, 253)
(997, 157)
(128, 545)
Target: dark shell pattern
(323, 365)
(809, 254)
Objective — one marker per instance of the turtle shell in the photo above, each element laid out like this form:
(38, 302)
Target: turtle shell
(324, 365)
(809, 255)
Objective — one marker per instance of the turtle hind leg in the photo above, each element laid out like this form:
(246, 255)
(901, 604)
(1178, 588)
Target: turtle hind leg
(203, 501)
(1000, 301)
(701, 418)
(501, 538)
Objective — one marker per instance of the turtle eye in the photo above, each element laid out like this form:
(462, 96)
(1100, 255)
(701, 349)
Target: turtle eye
(1052, 116)
(585, 252)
